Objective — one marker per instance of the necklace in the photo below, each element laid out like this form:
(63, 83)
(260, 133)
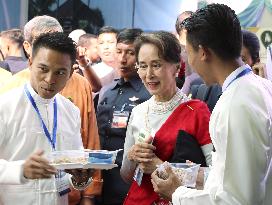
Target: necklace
(163, 107)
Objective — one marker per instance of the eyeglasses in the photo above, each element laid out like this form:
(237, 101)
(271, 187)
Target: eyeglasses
(142, 67)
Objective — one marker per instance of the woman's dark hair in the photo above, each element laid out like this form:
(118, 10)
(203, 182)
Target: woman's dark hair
(167, 43)
(217, 27)
(251, 42)
(56, 41)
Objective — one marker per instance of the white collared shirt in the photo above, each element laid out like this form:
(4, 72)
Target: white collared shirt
(240, 128)
(21, 134)
(233, 75)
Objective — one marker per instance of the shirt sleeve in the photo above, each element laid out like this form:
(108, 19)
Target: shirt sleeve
(239, 173)
(11, 172)
(202, 134)
(128, 167)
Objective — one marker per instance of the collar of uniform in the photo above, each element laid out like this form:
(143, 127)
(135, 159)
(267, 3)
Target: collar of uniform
(135, 82)
(16, 58)
(233, 75)
(38, 99)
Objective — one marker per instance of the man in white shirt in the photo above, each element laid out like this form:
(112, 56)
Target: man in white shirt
(241, 122)
(35, 118)
(106, 49)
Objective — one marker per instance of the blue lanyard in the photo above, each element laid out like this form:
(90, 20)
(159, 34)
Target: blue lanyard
(244, 72)
(55, 120)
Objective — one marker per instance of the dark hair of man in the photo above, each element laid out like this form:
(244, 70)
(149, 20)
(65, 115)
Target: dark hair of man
(217, 27)
(128, 36)
(107, 29)
(179, 25)
(251, 42)
(84, 40)
(14, 35)
(167, 44)
(56, 41)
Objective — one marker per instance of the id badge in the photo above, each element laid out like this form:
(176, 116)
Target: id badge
(120, 119)
(138, 176)
(62, 183)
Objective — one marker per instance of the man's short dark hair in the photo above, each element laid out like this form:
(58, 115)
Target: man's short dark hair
(56, 41)
(217, 27)
(128, 36)
(251, 42)
(107, 29)
(84, 40)
(167, 44)
(14, 35)
(180, 19)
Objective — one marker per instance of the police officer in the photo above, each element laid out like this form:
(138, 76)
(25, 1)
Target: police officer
(113, 111)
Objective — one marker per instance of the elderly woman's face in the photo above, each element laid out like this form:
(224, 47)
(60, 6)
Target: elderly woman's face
(157, 75)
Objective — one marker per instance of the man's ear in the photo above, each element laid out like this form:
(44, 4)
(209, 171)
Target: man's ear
(204, 53)
(30, 61)
(28, 48)
(71, 72)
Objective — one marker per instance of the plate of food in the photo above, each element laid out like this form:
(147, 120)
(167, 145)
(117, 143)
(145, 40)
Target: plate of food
(82, 159)
(63, 166)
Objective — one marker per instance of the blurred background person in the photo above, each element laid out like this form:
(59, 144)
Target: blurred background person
(3, 64)
(11, 42)
(177, 126)
(190, 76)
(106, 69)
(250, 53)
(89, 42)
(75, 34)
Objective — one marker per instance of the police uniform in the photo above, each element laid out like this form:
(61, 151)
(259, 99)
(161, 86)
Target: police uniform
(113, 112)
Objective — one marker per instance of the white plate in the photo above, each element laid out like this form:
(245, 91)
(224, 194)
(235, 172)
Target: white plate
(84, 166)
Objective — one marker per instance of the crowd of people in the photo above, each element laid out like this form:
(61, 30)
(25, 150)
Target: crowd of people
(195, 96)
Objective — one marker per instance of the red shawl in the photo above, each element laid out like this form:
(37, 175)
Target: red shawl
(193, 117)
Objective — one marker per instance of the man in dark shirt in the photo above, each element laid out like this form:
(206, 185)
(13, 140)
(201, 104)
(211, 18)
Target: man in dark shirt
(114, 108)
(12, 48)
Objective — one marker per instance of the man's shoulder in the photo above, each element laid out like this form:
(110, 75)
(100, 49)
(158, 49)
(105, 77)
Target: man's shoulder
(250, 92)
(107, 90)
(16, 80)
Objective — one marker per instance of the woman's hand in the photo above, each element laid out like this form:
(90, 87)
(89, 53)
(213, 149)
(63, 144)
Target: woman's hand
(149, 167)
(142, 152)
